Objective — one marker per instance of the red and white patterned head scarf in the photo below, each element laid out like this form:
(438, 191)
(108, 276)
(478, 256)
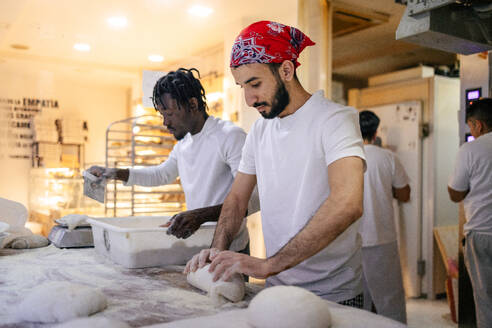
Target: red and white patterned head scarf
(267, 42)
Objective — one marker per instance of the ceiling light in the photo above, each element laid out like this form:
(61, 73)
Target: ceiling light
(82, 47)
(117, 21)
(200, 11)
(156, 58)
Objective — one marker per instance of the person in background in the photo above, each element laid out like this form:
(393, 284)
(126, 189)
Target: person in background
(206, 156)
(384, 179)
(307, 157)
(471, 182)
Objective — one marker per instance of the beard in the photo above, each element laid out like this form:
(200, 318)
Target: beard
(179, 136)
(280, 100)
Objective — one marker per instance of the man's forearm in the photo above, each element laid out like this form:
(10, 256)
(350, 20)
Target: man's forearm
(457, 196)
(331, 220)
(122, 174)
(229, 223)
(209, 214)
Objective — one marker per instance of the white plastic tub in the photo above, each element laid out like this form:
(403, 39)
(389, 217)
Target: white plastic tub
(139, 242)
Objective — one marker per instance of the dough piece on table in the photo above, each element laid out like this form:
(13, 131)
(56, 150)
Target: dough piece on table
(223, 319)
(26, 241)
(220, 291)
(60, 301)
(96, 322)
(73, 220)
(288, 307)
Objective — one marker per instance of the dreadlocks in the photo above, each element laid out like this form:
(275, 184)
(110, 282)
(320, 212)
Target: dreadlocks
(182, 86)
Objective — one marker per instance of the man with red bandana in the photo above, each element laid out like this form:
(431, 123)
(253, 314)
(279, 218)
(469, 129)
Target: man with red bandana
(306, 155)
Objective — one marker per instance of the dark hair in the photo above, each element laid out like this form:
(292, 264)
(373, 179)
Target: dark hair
(274, 69)
(481, 110)
(182, 85)
(369, 123)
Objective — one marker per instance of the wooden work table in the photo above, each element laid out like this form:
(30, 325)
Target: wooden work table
(138, 297)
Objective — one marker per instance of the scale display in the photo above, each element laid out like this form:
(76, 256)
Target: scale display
(469, 137)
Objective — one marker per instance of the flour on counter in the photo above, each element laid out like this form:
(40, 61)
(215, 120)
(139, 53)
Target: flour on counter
(136, 296)
(93, 322)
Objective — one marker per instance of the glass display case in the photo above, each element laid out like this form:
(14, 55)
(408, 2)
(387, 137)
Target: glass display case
(56, 192)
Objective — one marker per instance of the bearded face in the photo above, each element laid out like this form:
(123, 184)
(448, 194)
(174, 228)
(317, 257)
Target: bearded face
(280, 100)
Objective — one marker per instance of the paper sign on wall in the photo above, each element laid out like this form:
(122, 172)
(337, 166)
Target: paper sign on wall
(16, 115)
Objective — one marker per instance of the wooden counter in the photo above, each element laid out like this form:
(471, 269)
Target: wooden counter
(136, 296)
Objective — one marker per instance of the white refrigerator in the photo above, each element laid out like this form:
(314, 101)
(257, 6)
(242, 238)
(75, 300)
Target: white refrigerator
(399, 131)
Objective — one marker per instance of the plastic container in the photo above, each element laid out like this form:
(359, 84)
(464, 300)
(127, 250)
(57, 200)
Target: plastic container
(139, 242)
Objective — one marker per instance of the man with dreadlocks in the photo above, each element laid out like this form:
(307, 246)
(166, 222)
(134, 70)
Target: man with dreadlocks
(306, 154)
(206, 156)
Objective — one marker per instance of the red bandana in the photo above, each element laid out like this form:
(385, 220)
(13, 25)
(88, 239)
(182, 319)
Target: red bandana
(268, 42)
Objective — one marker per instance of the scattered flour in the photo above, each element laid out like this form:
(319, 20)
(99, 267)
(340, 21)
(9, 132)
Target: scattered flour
(136, 296)
(97, 322)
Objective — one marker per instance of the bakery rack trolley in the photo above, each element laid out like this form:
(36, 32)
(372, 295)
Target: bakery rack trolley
(138, 142)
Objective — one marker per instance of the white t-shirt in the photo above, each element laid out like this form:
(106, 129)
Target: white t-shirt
(473, 171)
(290, 158)
(384, 171)
(206, 163)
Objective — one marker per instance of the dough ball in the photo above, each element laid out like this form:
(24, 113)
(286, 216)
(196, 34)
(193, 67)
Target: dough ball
(97, 322)
(220, 291)
(60, 301)
(27, 241)
(288, 307)
(72, 221)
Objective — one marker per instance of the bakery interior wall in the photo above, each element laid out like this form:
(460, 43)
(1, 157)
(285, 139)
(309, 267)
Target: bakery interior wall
(93, 87)
(70, 94)
(102, 93)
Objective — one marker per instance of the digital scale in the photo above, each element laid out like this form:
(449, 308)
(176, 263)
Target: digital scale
(62, 237)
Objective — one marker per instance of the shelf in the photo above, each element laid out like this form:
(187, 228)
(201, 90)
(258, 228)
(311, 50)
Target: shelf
(137, 155)
(142, 145)
(125, 151)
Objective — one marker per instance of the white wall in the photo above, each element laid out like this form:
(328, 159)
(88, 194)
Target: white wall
(97, 101)
(445, 126)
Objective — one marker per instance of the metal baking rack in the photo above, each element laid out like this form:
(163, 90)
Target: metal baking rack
(138, 142)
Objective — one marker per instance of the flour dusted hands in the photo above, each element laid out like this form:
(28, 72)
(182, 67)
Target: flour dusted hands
(227, 263)
(224, 264)
(200, 259)
(103, 172)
